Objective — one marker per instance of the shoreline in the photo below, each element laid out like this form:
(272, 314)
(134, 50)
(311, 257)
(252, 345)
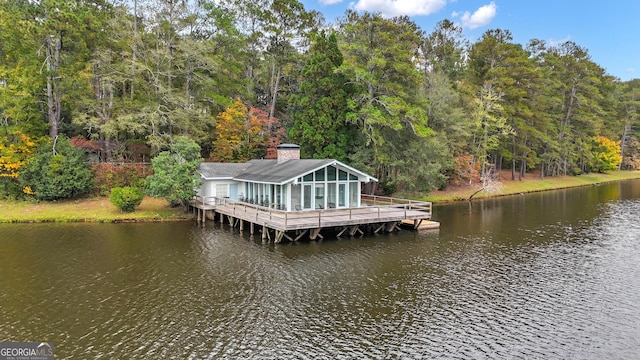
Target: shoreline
(89, 210)
(526, 186)
(100, 210)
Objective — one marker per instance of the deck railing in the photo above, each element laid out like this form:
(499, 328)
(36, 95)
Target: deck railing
(390, 201)
(373, 208)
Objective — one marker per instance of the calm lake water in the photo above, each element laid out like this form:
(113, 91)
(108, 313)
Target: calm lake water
(551, 275)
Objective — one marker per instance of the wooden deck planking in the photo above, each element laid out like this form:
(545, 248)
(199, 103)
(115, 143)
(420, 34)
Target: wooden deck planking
(286, 221)
(383, 212)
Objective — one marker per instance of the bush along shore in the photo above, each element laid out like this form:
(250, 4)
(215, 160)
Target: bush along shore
(100, 209)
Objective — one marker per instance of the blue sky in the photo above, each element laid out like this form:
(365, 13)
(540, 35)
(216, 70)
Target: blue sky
(609, 30)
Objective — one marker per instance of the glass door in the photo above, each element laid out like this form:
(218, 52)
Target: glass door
(332, 195)
(319, 196)
(307, 196)
(342, 195)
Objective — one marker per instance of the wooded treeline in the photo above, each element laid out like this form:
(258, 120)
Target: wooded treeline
(417, 109)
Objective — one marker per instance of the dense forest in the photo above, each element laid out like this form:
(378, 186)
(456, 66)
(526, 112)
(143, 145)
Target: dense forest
(419, 110)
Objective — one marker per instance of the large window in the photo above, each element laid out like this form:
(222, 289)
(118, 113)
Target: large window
(295, 196)
(353, 194)
(222, 190)
(342, 195)
(277, 196)
(331, 173)
(307, 196)
(319, 198)
(331, 195)
(327, 188)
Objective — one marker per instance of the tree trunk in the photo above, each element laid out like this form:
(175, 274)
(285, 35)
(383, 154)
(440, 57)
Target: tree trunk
(53, 44)
(627, 129)
(133, 48)
(513, 161)
(274, 98)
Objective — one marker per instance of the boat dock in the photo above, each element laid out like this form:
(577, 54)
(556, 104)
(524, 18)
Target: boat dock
(377, 214)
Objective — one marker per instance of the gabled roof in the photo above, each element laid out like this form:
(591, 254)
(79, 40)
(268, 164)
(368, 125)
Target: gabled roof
(216, 170)
(270, 171)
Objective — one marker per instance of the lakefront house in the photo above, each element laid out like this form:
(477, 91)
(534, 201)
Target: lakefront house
(286, 183)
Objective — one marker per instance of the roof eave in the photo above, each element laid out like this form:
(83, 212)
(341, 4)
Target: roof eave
(204, 177)
(334, 162)
(259, 182)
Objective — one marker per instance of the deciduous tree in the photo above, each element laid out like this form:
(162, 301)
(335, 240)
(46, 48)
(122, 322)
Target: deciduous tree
(175, 172)
(607, 154)
(16, 149)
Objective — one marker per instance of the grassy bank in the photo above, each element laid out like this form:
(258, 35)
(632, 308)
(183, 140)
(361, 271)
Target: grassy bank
(90, 210)
(530, 184)
(101, 209)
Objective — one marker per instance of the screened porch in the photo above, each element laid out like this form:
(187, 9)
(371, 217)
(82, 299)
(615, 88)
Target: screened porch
(327, 188)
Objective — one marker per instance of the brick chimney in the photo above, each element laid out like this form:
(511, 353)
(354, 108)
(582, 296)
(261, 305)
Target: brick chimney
(288, 152)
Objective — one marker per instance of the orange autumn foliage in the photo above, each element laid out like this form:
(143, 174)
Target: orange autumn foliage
(242, 135)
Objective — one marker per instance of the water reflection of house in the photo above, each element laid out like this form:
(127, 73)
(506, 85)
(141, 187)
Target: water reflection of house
(286, 183)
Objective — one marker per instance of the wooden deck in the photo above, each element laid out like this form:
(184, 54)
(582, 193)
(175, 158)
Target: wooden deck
(382, 212)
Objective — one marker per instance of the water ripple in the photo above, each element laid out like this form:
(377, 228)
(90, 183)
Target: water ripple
(558, 288)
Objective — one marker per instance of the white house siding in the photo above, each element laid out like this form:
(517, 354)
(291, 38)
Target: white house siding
(329, 186)
(218, 188)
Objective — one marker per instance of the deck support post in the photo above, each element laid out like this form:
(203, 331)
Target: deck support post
(241, 225)
(315, 233)
(391, 226)
(342, 231)
(300, 234)
(355, 229)
(379, 228)
(416, 223)
(278, 237)
(265, 232)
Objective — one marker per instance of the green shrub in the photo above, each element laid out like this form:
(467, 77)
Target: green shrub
(57, 172)
(126, 198)
(175, 172)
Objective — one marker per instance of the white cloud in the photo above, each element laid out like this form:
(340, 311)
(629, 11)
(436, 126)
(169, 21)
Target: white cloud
(630, 71)
(329, 2)
(555, 43)
(399, 7)
(481, 17)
